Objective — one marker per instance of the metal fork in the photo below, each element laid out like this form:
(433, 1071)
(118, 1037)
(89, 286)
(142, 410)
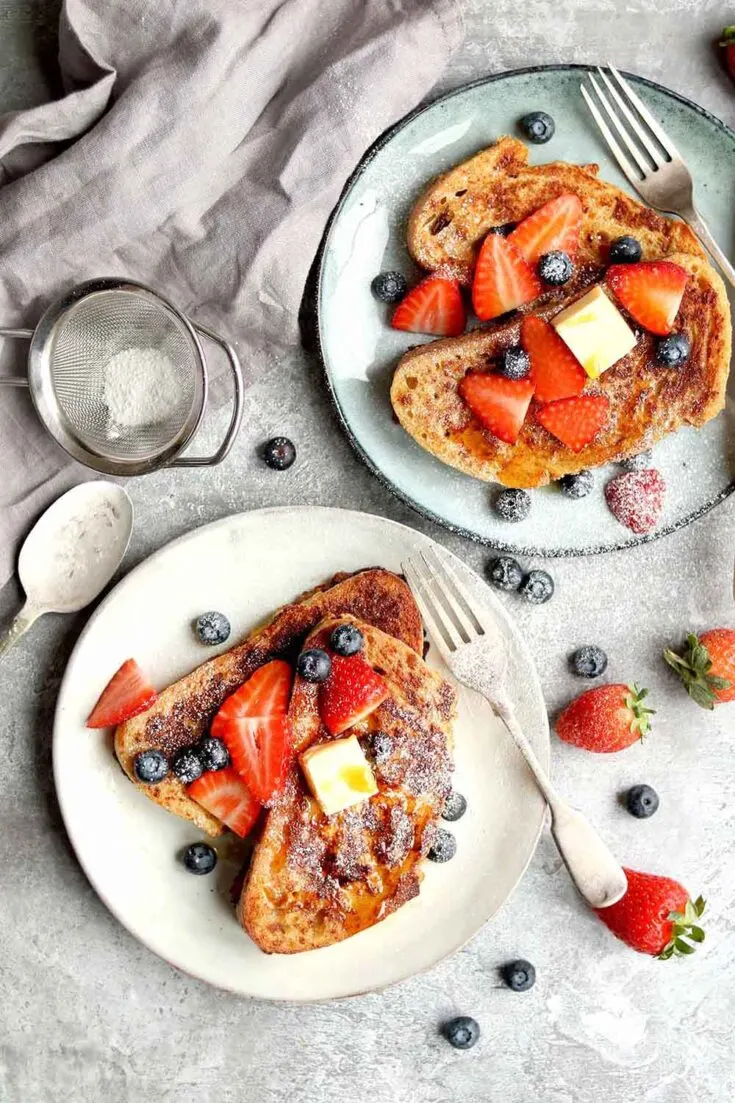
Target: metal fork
(655, 167)
(474, 650)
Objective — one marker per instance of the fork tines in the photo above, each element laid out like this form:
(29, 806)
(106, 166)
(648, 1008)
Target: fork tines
(448, 611)
(634, 124)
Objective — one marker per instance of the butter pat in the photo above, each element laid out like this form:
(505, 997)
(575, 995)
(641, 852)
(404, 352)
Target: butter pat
(338, 774)
(595, 331)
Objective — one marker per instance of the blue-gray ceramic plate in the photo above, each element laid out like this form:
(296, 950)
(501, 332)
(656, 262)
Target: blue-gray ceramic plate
(367, 235)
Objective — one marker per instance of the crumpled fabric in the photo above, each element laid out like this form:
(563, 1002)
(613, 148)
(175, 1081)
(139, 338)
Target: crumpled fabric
(198, 148)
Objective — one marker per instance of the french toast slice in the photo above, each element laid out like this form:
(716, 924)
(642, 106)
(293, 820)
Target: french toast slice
(498, 186)
(316, 879)
(647, 402)
(184, 711)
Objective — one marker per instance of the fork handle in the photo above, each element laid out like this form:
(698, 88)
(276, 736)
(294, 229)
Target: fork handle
(593, 867)
(695, 221)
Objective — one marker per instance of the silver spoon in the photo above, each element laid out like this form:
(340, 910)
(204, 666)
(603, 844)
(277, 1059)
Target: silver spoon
(71, 553)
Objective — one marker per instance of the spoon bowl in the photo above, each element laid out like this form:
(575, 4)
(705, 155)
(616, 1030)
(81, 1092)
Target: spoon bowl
(71, 553)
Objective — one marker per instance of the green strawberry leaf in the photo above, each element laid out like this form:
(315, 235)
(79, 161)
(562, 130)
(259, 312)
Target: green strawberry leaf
(693, 666)
(641, 713)
(685, 930)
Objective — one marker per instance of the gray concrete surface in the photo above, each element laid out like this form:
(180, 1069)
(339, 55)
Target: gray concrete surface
(86, 1014)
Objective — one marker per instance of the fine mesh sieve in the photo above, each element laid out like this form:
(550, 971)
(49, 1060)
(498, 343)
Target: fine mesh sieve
(120, 331)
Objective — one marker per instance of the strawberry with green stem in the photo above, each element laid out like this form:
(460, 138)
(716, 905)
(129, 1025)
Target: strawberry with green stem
(655, 916)
(606, 719)
(706, 666)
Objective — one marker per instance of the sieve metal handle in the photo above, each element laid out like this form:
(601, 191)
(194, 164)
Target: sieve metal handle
(237, 406)
(15, 380)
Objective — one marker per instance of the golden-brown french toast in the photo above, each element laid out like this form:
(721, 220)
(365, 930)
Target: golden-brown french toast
(448, 223)
(498, 186)
(184, 711)
(646, 401)
(316, 879)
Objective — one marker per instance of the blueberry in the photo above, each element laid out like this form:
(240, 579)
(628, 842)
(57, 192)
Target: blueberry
(212, 628)
(187, 765)
(346, 639)
(537, 587)
(639, 462)
(514, 363)
(519, 975)
(577, 486)
(588, 661)
(505, 573)
(150, 766)
(200, 858)
(279, 453)
(455, 807)
(213, 753)
(444, 846)
(538, 127)
(505, 230)
(381, 746)
(555, 268)
(674, 350)
(513, 505)
(641, 801)
(314, 665)
(389, 287)
(462, 1032)
(625, 250)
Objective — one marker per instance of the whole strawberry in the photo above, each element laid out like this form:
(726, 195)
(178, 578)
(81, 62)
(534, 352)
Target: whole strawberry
(655, 916)
(605, 719)
(636, 499)
(706, 666)
(728, 42)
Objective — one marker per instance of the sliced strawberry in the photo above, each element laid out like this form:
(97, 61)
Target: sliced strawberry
(556, 225)
(555, 370)
(500, 404)
(226, 796)
(254, 725)
(126, 694)
(575, 421)
(434, 306)
(650, 291)
(351, 692)
(503, 280)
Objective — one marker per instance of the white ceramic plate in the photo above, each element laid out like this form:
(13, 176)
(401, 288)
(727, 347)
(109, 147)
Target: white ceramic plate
(360, 351)
(246, 566)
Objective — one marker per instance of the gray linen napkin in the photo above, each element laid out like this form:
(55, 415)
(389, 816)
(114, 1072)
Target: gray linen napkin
(199, 148)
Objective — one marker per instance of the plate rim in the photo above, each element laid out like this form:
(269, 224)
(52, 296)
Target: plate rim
(368, 156)
(129, 579)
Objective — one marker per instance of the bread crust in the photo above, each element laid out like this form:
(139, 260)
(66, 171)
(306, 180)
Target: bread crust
(454, 213)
